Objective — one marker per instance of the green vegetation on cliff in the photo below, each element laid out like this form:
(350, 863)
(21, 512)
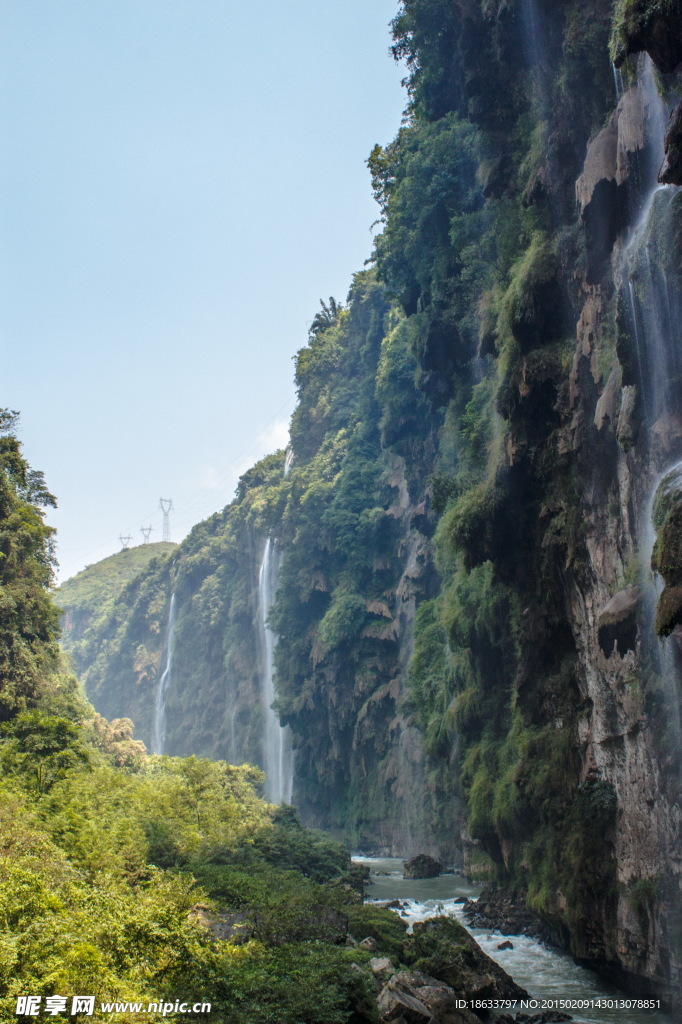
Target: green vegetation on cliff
(89, 595)
(29, 623)
(134, 878)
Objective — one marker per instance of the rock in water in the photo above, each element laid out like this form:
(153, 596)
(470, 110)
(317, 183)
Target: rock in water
(422, 866)
(445, 949)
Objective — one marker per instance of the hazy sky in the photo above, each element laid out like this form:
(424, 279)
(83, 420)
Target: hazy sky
(181, 182)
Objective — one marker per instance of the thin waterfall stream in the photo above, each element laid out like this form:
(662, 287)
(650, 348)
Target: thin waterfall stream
(159, 725)
(278, 752)
(546, 973)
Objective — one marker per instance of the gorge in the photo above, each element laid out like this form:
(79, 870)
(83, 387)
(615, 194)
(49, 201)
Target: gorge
(465, 577)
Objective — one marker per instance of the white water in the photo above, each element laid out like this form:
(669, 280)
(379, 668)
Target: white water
(648, 270)
(278, 753)
(546, 973)
(617, 81)
(159, 726)
(656, 306)
(233, 737)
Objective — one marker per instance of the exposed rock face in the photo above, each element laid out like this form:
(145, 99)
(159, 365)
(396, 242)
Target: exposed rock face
(422, 866)
(620, 727)
(618, 620)
(671, 171)
(505, 912)
(654, 27)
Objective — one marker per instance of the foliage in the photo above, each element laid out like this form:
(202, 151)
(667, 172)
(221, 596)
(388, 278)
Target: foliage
(29, 623)
(93, 590)
(91, 899)
(367, 921)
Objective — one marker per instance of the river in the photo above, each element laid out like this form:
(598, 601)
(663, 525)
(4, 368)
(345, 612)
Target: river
(546, 973)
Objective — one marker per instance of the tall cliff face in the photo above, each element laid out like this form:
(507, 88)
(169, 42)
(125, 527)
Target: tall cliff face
(351, 525)
(563, 701)
(484, 467)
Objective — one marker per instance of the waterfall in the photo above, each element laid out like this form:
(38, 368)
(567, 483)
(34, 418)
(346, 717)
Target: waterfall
(617, 81)
(651, 285)
(649, 271)
(656, 304)
(277, 746)
(534, 45)
(159, 726)
(233, 737)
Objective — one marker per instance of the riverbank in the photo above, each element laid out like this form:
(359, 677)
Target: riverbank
(549, 975)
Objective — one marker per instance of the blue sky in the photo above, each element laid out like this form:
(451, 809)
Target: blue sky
(181, 182)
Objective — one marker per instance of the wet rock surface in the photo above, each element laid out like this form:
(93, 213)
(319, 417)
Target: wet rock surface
(422, 866)
(504, 912)
(671, 171)
(443, 948)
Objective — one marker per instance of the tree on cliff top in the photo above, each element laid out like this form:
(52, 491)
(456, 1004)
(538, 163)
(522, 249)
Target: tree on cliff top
(29, 623)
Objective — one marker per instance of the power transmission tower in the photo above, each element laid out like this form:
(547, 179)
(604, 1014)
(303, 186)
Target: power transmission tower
(166, 506)
(145, 531)
(125, 541)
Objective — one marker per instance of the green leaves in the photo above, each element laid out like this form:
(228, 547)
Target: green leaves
(29, 624)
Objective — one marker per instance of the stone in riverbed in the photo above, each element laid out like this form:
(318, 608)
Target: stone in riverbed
(397, 1003)
(506, 945)
(444, 949)
(422, 866)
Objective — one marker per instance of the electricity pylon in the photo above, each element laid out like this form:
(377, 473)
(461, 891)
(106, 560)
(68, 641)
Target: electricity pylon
(145, 531)
(166, 506)
(125, 541)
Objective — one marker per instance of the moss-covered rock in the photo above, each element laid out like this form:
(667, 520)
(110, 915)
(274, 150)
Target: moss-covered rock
(651, 25)
(666, 559)
(444, 949)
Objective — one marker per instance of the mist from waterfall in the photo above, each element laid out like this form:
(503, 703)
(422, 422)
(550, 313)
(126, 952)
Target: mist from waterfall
(159, 725)
(651, 288)
(278, 752)
(655, 301)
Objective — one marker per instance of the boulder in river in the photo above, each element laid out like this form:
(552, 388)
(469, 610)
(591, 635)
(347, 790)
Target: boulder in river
(444, 949)
(422, 866)
(504, 911)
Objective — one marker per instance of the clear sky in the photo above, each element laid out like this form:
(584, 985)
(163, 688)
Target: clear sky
(181, 181)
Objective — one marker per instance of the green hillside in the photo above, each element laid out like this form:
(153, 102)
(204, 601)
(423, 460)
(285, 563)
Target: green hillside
(88, 594)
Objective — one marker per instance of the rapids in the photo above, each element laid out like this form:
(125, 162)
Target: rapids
(546, 973)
